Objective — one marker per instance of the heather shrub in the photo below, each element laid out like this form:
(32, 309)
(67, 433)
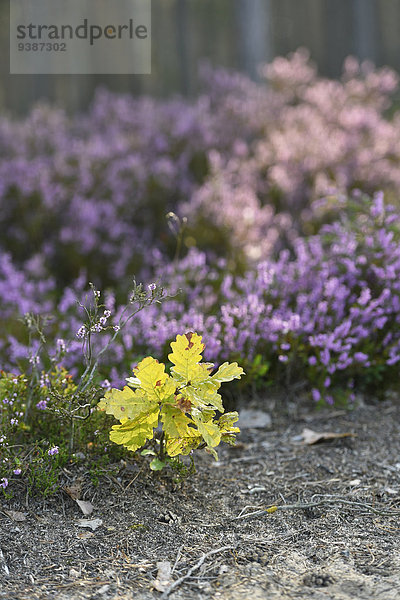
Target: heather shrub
(44, 426)
(243, 161)
(330, 315)
(270, 274)
(325, 317)
(299, 139)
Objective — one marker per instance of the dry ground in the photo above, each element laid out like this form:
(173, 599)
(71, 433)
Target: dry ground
(330, 551)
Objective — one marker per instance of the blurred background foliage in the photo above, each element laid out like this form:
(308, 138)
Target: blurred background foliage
(237, 34)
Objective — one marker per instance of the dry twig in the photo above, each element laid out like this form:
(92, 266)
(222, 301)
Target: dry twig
(3, 563)
(195, 567)
(326, 501)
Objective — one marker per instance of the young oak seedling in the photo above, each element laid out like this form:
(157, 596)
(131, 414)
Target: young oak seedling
(184, 402)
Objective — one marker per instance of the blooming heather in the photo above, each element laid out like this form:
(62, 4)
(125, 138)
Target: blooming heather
(291, 248)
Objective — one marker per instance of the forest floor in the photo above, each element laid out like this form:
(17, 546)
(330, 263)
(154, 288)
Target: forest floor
(150, 538)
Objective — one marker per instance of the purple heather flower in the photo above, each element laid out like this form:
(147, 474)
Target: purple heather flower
(52, 451)
(17, 471)
(3, 482)
(316, 395)
(365, 297)
(152, 287)
(61, 345)
(325, 356)
(378, 206)
(41, 405)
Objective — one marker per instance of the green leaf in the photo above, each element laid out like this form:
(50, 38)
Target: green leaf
(157, 464)
(148, 452)
(212, 452)
(227, 420)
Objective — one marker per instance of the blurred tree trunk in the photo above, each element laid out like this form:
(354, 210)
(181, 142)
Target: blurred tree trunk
(254, 33)
(182, 26)
(388, 42)
(365, 29)
(339, 34)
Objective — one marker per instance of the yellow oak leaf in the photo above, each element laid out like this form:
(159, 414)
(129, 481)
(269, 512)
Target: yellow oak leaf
(153, 379)
(203, 395)
(209, 431)
(184, 445)
(227, 427)
(125, 404)
(186, 401)
(134, 433)
(227, 372)
(175, 422)
(185, 356)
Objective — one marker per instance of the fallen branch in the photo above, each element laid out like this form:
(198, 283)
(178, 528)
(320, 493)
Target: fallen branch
(329, 500)
(195, 567)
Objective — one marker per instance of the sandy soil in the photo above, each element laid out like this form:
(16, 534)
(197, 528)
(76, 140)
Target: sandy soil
(339, 549)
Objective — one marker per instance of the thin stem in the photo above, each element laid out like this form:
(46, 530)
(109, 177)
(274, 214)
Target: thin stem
(162, 446)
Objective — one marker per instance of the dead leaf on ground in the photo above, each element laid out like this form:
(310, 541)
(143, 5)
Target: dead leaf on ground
(15, 515)
(74, 490)
(311, 437)
(163, 580)
(85, 535)
(86, 507)
(93, 524)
